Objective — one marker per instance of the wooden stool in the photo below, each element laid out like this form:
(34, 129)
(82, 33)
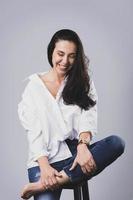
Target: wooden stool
(81, 190)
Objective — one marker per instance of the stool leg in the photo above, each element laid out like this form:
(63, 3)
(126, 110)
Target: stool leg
(77, 193)
(85, 191)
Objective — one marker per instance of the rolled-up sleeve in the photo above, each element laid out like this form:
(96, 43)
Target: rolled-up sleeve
(88, 118)
(30, 121)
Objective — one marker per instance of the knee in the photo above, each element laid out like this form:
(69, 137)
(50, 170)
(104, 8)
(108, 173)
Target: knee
(118, 143)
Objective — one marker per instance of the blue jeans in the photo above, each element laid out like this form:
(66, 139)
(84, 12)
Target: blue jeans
(104, 153)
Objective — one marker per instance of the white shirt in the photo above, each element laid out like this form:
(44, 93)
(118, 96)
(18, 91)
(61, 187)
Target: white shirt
(48, 121)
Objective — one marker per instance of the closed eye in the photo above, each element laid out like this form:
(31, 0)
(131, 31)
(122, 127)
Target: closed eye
(60, 54)
(72, 56)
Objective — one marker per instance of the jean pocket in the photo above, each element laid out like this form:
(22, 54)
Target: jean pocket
(34, 174)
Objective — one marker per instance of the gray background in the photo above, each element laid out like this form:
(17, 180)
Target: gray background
(105, 28)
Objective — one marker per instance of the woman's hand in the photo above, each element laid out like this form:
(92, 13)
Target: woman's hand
(48, 177)
(85, 159)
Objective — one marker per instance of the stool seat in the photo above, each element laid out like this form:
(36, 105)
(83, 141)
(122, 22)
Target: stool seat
(81, 190)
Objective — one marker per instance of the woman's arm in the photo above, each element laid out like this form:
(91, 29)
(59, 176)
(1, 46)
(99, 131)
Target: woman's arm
(88, 118)
(31, 123)
(84, 157)
(87, 129)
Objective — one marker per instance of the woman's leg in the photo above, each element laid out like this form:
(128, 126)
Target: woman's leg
(48, 195)
(104, 152)
(107, 151)
(35, 188)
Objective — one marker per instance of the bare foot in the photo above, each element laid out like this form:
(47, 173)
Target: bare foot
(30, 189)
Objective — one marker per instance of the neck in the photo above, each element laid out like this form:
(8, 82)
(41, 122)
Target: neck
(56, 77)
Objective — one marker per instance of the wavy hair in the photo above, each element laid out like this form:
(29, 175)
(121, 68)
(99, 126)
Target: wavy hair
(77, 86)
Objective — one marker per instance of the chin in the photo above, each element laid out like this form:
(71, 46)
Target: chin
(61, 70)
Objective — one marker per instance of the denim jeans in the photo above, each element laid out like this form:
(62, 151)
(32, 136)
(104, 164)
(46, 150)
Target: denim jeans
(104, 153)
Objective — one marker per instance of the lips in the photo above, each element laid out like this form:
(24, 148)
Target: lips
(62, 67)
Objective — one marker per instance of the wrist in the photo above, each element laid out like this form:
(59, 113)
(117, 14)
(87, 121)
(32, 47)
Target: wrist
(84, 141)
(81, 147)
(43, 162)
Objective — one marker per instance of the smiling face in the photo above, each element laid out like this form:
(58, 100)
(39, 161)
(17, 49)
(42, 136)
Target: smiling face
(63, 56)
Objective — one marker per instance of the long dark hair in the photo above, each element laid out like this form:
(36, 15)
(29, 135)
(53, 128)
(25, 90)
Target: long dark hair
(77, 86)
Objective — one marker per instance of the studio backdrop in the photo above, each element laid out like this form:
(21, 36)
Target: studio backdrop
(105, 28)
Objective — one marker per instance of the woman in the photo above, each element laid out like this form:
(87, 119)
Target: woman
(59, 113)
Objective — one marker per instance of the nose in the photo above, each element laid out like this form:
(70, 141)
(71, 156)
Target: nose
(65, 60)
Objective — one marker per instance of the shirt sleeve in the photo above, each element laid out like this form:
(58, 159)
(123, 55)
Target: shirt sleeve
(88, 119)
(30, 121)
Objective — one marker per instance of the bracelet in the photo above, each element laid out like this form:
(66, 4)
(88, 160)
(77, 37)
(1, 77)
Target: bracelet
(84, 141)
